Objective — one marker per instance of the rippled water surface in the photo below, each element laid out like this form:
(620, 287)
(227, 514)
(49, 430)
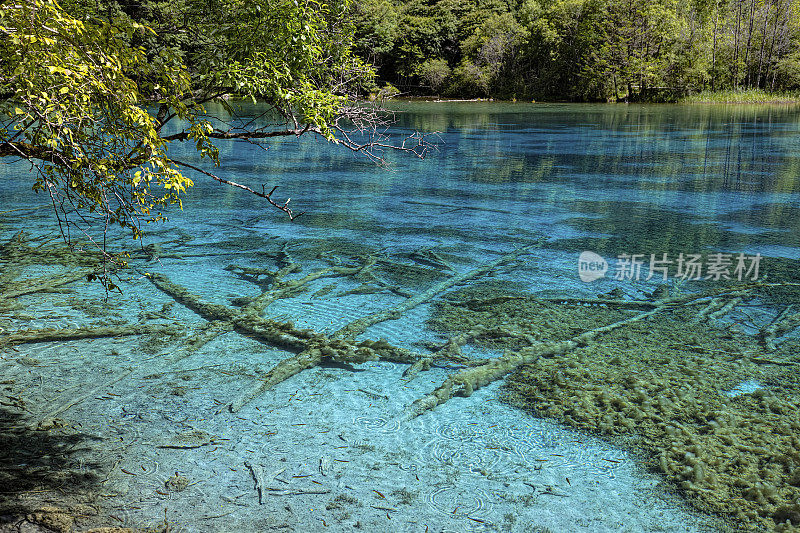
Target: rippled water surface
(630, 184)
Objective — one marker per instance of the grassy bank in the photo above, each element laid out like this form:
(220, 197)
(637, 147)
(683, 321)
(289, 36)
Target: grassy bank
(749, 96)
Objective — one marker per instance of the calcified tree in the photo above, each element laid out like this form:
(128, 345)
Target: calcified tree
(87, 96)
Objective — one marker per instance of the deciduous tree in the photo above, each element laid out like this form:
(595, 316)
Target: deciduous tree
(87, 92)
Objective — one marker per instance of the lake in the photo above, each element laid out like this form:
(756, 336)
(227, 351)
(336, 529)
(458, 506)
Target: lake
(565, 317)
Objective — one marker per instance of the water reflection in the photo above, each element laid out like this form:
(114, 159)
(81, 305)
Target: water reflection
(654, 178)
(673, 148)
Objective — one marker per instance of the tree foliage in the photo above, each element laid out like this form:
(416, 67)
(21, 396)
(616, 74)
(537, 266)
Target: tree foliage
(75, 112)
(588, 49)
(93, 92)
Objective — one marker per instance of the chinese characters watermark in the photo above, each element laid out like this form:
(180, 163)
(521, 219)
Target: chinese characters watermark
(714, 266)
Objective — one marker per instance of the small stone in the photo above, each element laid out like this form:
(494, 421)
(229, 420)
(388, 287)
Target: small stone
(176, 483)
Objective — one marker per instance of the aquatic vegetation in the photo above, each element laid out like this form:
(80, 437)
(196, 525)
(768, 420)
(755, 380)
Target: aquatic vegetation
(653, 373)
(658, 386)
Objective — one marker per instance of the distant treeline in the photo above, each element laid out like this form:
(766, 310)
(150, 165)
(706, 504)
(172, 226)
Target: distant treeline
(581, 50)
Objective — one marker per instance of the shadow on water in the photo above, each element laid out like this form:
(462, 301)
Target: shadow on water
(43, 475)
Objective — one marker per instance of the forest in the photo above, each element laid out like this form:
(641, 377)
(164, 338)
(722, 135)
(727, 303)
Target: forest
(552, 50)
(580, 50)
(562, 50)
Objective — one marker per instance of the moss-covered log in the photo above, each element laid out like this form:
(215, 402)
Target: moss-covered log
(312, 348)
(786, 321)
(42, 283)
(467, 381)
(285, 289)
(357, 327)
(24, 336)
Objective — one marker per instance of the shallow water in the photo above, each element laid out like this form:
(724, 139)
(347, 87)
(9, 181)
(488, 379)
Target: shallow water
(609, 179)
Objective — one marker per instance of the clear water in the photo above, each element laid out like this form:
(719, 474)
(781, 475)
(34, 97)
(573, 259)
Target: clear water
(656, 179)
(611, 179)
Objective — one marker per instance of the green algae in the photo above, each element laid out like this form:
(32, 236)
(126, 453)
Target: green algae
(332, 250)
(658, 387)
(781, 270)
(511, 317)
(408, 274)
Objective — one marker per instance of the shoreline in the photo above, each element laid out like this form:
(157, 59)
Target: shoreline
(721, 99)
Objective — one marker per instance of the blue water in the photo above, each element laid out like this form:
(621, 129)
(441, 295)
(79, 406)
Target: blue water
(610, 179)
(655, 179)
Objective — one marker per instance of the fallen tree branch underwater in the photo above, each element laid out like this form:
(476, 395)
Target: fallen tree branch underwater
(312, 348)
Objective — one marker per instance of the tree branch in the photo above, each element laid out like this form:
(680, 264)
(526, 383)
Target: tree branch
(244, 135)
(267, 196)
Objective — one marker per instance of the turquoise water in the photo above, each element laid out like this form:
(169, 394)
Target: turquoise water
(610, 179)
(702, 177)
(656, 179)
